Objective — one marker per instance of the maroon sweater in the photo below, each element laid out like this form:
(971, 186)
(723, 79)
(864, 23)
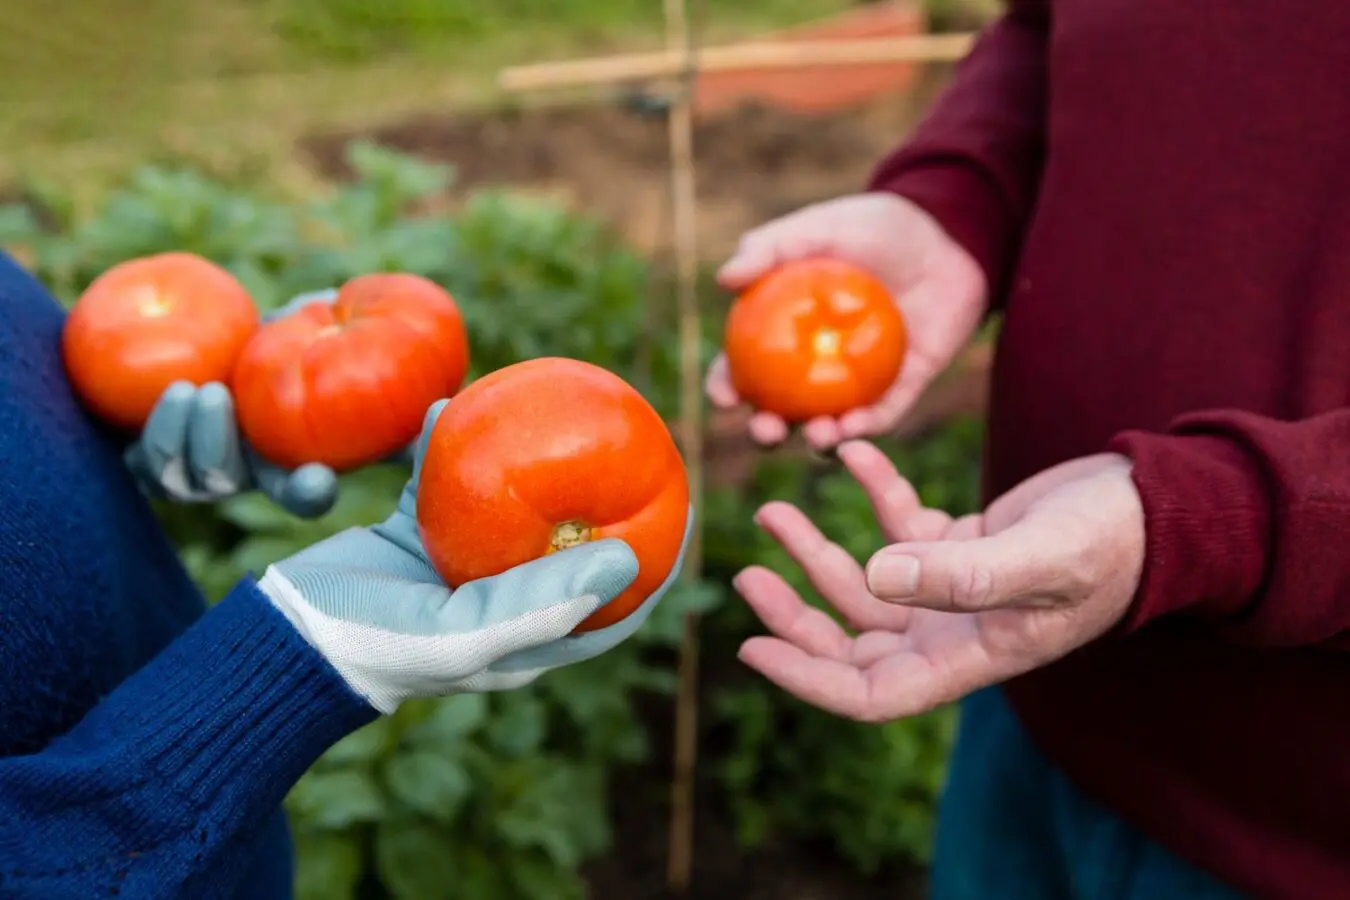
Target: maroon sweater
(1160, 194)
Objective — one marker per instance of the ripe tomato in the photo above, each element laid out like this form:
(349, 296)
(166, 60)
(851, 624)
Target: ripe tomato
(148, 322)
(817, 337)
(347, 383)
(544, 455)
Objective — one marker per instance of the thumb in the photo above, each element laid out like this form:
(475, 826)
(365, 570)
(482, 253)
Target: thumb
(307, 492)
(793, 237)
(328, 295)
(1026, 565)
(406, 511)
(753, 257)
(419, 450)
(545, 599)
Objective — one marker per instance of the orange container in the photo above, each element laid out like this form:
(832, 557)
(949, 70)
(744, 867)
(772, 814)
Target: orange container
(823, 89)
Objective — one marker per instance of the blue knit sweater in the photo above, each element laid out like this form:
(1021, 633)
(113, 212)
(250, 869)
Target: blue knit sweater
(145, 744)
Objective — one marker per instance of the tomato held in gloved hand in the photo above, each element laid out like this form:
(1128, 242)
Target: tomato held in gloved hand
(814, 337)
(545, 455)
(147, 323)
(347, 383)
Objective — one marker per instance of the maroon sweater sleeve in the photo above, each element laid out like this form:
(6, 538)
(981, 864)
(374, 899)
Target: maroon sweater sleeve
(1248, 525)
(974, 162)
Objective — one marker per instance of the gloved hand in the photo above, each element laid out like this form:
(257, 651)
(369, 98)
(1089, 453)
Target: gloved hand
(370, 602)
(191, 450)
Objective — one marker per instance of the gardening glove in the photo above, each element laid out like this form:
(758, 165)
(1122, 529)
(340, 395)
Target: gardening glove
(191, 451)
(369, 600)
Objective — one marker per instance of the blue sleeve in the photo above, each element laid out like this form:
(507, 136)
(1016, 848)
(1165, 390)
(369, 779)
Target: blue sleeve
(153, 792)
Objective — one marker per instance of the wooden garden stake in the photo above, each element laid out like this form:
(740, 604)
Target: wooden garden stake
(684, 221)
(796, 55)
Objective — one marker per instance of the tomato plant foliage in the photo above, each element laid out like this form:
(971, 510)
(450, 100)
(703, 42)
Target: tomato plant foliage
(505, 797)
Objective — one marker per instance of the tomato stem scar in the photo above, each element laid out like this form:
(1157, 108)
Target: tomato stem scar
(152, 304)
(826, 342)
(568, 534)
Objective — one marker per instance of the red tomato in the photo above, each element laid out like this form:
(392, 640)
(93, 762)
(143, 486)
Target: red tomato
(148, 322)
(348, 383)
(812, 338)
(544, 455)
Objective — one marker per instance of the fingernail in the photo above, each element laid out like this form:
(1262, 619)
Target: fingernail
(893, 575)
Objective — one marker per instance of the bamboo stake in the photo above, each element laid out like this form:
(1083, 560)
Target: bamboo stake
(736, 57)
(684, 220)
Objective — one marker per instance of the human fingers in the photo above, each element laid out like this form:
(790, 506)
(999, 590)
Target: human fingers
(899, 399)
(789, 617)
(214, 455)
(824, 682)
(768, 429)
(1025, 565)
(575, 648)
(817, 229)
(164, 441)
(769, 245)
(896, 504)
(307, 492)
(764, 428)
(834, 574)
(717, 384)
(938, 662)
(822, 432)
(541, 601)
(328, 295)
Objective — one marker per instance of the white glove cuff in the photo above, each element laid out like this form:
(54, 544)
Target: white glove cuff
(334, 639)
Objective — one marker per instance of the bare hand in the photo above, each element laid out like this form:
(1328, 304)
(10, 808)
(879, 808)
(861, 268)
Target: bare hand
(939, 287)
(953, 605)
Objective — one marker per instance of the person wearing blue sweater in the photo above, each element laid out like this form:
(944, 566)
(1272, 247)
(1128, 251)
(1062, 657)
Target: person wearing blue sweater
(146, 742)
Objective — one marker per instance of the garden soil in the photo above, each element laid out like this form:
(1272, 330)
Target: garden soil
(611, 159)
(754, 163)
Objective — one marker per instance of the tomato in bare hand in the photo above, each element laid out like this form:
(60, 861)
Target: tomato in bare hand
(817, 337)
(347, 383)
(541, 456)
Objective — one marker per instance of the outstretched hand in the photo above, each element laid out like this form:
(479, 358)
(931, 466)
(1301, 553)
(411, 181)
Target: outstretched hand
(937, 284)
(953, 605)
(191, 449)
(369, 600)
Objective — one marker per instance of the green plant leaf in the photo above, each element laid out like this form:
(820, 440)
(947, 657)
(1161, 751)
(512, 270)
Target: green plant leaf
(256, 512)
(520, 724)
(361, 747)
(337, 799)
(435, 785)
(328, 865)
(666, 623)
(555, 807)
(451, 721)
(536, 877)
(417, 861)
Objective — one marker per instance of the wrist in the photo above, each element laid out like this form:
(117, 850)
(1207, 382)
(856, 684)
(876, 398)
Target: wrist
(1201, 499)
(352, 649)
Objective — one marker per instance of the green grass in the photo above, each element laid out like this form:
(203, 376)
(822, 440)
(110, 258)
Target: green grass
(92, 88)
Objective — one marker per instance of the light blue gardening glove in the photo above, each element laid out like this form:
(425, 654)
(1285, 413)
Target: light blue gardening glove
(370, 602)
(191, 451)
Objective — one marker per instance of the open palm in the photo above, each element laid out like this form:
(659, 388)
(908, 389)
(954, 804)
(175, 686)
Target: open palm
(1055, 592)
(938, 286)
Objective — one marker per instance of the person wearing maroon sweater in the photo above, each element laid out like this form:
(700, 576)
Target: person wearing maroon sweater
(1148, 623)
